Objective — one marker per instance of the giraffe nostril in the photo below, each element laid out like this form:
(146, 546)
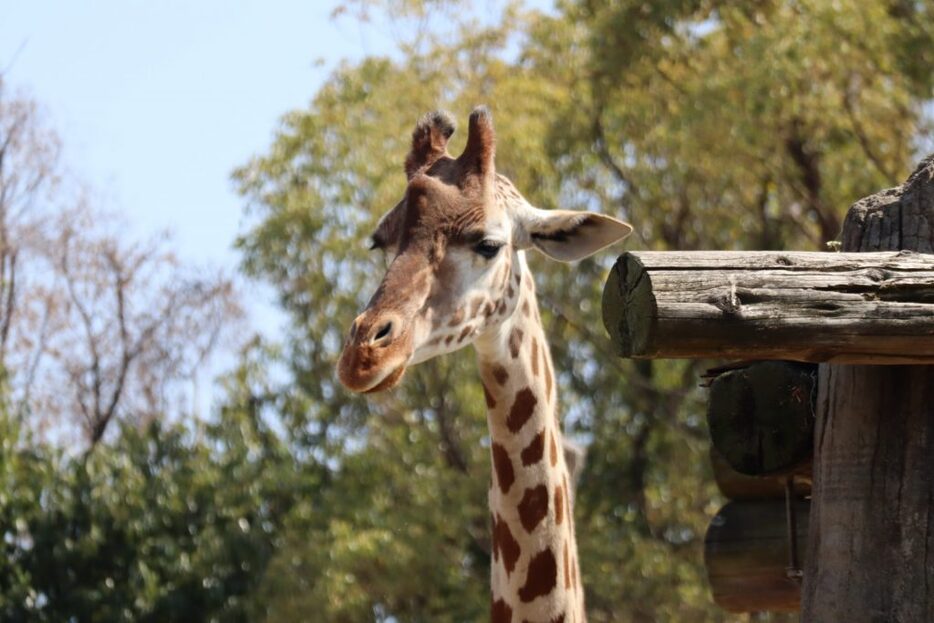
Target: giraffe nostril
(383, 333)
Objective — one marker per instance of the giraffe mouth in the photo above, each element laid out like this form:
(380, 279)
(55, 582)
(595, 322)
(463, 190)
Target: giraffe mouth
(390, 381)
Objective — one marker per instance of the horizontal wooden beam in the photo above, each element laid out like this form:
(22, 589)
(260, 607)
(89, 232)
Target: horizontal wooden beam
(870, 308)
(747, 555)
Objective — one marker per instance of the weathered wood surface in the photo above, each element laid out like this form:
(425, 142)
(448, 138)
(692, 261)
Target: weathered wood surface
(746, 554)
(834, 307)
(871, 549)
(761, 416)
(736, 486)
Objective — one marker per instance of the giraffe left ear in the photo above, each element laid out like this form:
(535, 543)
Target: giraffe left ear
(569, 236)
(386, 236)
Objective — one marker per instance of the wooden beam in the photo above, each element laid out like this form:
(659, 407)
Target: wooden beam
(837, 307)
(761, 417)
(747, 555)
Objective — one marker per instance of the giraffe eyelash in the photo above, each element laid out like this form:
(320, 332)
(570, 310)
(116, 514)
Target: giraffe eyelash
(488, 248)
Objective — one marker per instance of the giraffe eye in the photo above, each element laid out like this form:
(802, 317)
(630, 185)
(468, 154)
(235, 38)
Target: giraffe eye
(488, 248)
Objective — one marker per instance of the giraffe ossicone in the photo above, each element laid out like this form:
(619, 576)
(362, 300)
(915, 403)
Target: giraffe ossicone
(459, 277)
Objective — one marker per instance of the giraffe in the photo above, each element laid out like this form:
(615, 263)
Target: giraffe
(459, 276)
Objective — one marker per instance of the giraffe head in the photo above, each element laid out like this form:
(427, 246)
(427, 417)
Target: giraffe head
(455, 237)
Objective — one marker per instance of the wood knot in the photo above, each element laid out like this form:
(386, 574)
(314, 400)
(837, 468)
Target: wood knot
(728, 301)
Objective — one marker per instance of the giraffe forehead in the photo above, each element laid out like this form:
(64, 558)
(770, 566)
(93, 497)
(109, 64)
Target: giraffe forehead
(434, 208)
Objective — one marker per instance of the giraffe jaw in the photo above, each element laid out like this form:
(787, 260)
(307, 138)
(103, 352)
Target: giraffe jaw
(388, 382)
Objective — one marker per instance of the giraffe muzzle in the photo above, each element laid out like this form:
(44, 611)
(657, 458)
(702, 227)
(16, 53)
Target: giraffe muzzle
(376, 353)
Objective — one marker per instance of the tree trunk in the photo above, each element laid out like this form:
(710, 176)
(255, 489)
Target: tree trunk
(871, 546)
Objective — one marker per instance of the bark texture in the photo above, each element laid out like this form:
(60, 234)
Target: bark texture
(817, 307)
(871, 545)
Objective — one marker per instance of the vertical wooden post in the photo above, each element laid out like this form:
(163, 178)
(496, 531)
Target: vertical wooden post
(871, 543)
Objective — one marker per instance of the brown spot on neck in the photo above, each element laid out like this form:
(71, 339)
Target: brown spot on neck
(505, 545)
(541, 578)
(533, 452)
(567, 566)
(567, 502)
(457, 318)
(464, 333)
(499, 373)
(559, 505)
(522, 409)
(502, 464)
(515, 341)
(549, 378)
(500, 612)
(534, 357)
(490, 401)
(533, 507)
(553, 449)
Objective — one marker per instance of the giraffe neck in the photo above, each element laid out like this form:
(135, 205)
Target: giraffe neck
(535, 574)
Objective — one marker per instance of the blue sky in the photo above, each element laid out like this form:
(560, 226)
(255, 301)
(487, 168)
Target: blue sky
(157, 102)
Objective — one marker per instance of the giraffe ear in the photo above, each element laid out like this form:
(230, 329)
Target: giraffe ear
(480, 151)
(389, 228)
(429, 141)
(569, 236)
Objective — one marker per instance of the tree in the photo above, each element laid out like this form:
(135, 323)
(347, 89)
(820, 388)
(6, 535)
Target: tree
(29, 174)
(166, 522)
(119, 322)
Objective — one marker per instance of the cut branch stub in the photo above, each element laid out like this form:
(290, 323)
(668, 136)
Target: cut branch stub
(630, 312)
(761, 417)
(836, 307)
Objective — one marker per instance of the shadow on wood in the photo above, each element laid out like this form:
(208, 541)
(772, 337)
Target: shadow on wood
(761, 417)
(736, 486)
(746, 554)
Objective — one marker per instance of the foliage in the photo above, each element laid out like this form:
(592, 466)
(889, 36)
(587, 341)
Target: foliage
(163, 524)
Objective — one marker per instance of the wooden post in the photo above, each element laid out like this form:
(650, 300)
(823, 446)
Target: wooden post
(839, 307)
(871, 545)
